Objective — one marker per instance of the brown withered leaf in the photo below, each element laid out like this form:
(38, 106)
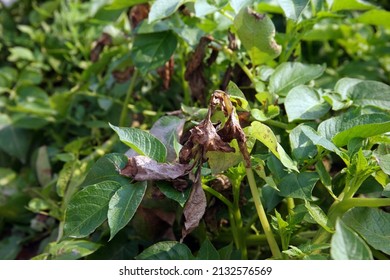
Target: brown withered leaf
(194, 70)
(138, 13)
(195, 206)
(166, 72)
(122, 76)
(104, 40)
(142, 168)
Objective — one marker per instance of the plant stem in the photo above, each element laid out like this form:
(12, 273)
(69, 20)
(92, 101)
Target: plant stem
(276, 123)
(125, 107)
(218, 195)
(262, 215)
(235, 59)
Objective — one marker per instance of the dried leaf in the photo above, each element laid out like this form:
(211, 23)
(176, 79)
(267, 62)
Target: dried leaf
(166, 72)
(104, 40)
(138, 13)
(194, 71)
(123, 75)
(195, 207)
(142, 168)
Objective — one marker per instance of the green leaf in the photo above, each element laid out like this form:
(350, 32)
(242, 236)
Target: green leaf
(372, 224)
(164, 8)
(383, 162)
(293, 8)
(256, 32)
(107, 169)
(166, 250)
(153, 50)
(325, 177)
(169, 191)
(88, 209)
(221, 161)
(20, 53)
(319, 216)
(207, 251)
(237, 5)
(340, 5)
(120, 4)
(375, 17)
(10, 246)
(302, 147)
(142, 142)
(345, 127)
(305, 103)
(266, 136)
(290, 74)
(237, 96)
(72, 249)
(364, 93)
(15, 141)
(298, 185)
(347, 245)
(123, 204)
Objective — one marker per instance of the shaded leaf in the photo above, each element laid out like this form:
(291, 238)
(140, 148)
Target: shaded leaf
(142, 142)
(304, 103)
(123, 204)
(347, 245)
(290, 74)
(298, 185)
(152, 50)
(88, 209)
(372, 224)
(256, 32)
(171, 192)
(166, 250)
(207, 251)
(15, 141)
(318, 215)
(10, 247)
(302, 147)
(143, 168)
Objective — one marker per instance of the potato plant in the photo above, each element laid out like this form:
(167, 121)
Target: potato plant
(195, 129)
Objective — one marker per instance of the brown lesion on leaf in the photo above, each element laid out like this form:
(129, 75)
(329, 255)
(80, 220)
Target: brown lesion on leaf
(104, 40)
(202, 138)
(138, 13)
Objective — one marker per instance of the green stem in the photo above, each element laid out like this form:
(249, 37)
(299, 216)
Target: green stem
(238, 220)
(262, 215)
(218, 195)
(235, 59)
(290, 205)
(276, 124)
(125, 107)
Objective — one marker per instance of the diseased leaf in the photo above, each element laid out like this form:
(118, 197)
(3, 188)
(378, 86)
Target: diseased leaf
(305, 103)
(72, 249)
(256, 32)
(142, 142)
(237, 96)
(372, 224)
(143, 168)
(195, 207)
(43, 166)
(166, 250)
(88, 209)
(298, 185)
(347, 244)
(123, 204)
(290, 74)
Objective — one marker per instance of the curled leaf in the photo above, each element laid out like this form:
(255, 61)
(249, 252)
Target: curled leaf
(195, 207)
(142, 168)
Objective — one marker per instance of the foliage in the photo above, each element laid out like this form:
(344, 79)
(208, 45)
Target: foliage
(280, 148)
